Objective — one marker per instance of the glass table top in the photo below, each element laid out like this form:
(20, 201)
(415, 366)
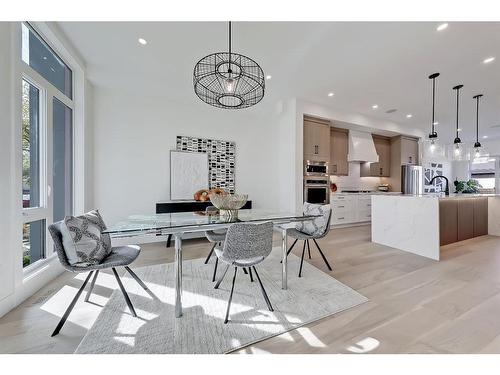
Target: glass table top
(192, 221)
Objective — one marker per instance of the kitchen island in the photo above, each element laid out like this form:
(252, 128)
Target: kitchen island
(421, 224)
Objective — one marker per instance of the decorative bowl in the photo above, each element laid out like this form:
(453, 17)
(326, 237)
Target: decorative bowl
(228, 204)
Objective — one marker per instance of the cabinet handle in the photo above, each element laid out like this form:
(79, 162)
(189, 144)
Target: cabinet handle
(316, 149)
(335, 168)
(341, 206)
(341, 218)
(381, 172)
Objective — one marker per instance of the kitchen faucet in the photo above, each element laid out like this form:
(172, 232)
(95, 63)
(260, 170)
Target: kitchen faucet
(447, 188)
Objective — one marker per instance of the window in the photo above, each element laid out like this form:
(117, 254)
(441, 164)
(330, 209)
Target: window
(46, 144)
(38, 55)
(33, 242)
(483, 171)
(30, 145)
(62, 164)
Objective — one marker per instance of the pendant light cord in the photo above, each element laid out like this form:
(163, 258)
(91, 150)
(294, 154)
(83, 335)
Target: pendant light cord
(458, 94)
(229, 71)
(477, 119)
(433, 102)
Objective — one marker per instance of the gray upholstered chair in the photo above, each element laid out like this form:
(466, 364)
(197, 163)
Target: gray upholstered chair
(318, 228)
(245, 246)
(121, 256)
(215, 237)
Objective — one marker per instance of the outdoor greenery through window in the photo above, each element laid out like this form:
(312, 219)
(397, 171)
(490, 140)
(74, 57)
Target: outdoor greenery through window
(30, 145)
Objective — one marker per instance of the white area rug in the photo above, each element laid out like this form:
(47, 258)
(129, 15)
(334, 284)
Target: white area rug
(202, 328)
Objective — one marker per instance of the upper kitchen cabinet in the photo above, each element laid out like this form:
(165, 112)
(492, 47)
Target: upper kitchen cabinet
(383, 167)
(409, 150)
(339, 145)
(316, 139)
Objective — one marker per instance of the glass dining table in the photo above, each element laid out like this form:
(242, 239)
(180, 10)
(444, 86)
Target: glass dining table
(178, 224)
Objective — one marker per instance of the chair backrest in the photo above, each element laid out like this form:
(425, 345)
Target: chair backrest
(56, 235)
(248, 240)
(319, 209)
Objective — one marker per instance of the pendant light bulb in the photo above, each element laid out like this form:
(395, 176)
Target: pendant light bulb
(230, 85)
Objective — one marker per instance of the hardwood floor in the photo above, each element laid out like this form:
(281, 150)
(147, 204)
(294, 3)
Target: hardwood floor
(416, 305)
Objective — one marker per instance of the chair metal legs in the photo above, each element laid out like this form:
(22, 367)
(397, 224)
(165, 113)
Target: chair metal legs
(302, 258)
(308, 249)
(290, 249)
(215, 268)
(322, 255)
(211, 252)
(266, 298)
(230, 296)
(125, 295)
(221, 278)
(251, 276)
(71, 305)
(87, 297)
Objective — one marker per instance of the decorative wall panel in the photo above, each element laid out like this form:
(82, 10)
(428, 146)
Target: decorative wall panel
(430, 170)
(221, 159)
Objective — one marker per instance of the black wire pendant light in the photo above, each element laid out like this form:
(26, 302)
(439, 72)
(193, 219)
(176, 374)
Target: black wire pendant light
(433, 134)
(229, 80)
(477, 145)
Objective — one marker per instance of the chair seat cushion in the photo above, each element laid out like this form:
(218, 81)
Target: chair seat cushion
(294, 233)
(119, 256)
(83, 241)
(216, 236)
(317, 226)
(240, 262)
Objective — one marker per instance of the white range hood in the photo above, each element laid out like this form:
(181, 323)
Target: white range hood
(361, 147)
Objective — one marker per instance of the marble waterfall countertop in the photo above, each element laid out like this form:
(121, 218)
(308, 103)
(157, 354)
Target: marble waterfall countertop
(412, 222)
(451, 196)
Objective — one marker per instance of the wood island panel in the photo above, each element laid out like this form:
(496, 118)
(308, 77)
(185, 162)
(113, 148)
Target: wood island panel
(466, 218)
(448, 221)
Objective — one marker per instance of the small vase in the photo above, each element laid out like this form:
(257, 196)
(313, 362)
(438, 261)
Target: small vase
(229, 214)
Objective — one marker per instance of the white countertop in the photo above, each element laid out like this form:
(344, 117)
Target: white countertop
(370, 193)
(451, 196)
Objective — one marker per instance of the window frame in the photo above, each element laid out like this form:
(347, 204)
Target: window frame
(22, 70)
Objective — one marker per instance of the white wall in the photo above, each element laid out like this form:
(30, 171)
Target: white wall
(6, 162)
(134, 135)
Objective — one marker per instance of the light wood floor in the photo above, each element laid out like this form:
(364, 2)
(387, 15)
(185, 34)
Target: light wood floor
(416, 305)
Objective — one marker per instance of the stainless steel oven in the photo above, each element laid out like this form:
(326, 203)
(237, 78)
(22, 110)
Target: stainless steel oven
(316, 189)
(315, 168)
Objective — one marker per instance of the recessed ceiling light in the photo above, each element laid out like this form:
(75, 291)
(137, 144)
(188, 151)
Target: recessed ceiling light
(488, 60)
(142, 41)
(442, 27)
(436, 122)
(331, 94)
(409, 115)
(375, 106)
(269, 77)
(485, 136)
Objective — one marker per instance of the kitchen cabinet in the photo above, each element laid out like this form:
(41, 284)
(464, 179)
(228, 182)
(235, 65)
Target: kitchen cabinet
(462, 218)
(383, 167)
(465, 211)
(480, 216)
(350, 209)
(339, 145)
(409, 150)
(316, 139)
(448, 221)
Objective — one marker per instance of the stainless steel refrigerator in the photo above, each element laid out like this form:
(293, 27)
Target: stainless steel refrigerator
(412, 179)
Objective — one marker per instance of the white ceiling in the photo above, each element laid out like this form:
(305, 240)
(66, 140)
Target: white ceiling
(363, 63)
